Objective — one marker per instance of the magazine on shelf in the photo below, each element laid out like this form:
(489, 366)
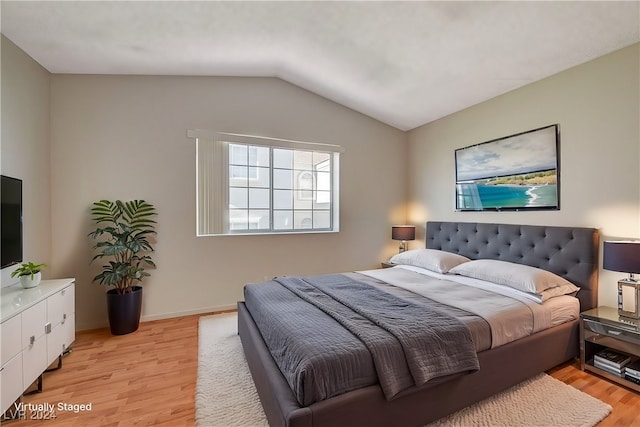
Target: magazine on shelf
(612, 358)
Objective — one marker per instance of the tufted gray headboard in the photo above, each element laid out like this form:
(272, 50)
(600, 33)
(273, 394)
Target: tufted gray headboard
(569, 252)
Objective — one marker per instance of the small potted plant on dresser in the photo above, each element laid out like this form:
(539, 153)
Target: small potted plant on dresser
(123, 232)
(29, 274)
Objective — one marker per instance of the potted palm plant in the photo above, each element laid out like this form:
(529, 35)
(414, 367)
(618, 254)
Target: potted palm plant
(29, 274)
(123, 231)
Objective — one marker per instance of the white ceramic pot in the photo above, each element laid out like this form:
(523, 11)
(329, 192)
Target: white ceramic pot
(27, 282)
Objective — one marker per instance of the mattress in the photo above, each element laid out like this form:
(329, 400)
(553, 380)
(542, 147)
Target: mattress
(320, 359)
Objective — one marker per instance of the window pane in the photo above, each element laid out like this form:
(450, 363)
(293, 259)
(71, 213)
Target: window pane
(259, 177)
(303, 219)
(282, 179)
(238, 219)
(258, 156)
(323, 181)
(304, 181)
(322, 200)
(321, 160)
(282, 158)
(302, 202)
(238, 176)
(238, 154)
(258, 219)
(321, 219)
(238, 198)
(303, 160)
(283, 220)
(259, 198)
(282, 199)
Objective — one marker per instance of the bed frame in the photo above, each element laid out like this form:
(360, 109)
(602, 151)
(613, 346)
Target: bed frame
(567, 251)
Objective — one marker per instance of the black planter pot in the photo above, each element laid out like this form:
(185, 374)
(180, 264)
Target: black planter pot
(124, 310)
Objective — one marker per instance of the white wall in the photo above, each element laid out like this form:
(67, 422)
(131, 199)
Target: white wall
(25, 148)
(125, 137)
(597, 105)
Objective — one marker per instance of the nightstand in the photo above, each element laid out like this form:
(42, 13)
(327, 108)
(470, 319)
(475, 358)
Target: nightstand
(603, 328)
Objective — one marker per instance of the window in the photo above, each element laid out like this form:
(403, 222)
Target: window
(254, 185)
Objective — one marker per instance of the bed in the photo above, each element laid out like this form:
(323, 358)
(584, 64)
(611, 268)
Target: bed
(569, 252)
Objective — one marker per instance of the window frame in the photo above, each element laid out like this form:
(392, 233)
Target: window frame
(220, 214)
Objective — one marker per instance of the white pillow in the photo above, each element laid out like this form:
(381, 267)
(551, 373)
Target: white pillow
(517, 276)
(431, 259)
(569, 289)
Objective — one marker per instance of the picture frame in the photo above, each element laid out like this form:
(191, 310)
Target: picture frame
(516, 172)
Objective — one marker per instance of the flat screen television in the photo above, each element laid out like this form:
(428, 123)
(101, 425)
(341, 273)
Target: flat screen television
(517, 172)
(11, 221)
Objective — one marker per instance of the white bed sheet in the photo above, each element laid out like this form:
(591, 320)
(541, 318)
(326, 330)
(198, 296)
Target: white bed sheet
(514, 317)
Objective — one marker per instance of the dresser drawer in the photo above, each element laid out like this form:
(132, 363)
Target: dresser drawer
(611, 331)
(10, 338)
(11, 386)
(33, 323)
(61, 305)
(34, 361)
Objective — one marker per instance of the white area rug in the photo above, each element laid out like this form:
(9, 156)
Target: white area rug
(226, 395)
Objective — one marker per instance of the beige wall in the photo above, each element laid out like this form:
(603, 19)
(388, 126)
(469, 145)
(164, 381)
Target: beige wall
(25, 148)
(75, 139)
(125, 137)
(597, 105)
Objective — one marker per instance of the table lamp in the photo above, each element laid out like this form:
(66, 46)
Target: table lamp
(403, 233)
(624, 256)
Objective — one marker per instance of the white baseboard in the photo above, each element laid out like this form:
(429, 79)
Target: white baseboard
(188, 312)
(218, 308)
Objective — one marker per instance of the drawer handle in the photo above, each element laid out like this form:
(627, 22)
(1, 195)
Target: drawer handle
(616, 333)
(64, 318)
(47, 328)
(32, 339)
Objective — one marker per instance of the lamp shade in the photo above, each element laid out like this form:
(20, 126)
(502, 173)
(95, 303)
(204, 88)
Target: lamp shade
(403, 232)
(623, 256)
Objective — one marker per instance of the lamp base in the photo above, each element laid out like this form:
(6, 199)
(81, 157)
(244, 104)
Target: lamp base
(402, 247)
(629, 298)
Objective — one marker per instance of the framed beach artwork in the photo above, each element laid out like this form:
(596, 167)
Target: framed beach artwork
(517, 172)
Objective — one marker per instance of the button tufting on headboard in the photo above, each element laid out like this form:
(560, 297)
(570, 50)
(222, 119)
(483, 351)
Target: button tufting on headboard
(570, 252)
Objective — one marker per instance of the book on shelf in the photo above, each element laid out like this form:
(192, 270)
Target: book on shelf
(632, 379)
(634, 367)
(612, 358)
(607, 368)
(632, 374)
(608, 364)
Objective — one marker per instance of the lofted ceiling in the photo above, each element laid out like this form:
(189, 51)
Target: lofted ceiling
(403, 63)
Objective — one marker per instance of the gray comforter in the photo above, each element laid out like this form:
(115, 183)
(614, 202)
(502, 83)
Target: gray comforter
(309, 326)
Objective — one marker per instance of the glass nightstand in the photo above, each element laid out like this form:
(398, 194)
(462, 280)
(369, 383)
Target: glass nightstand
(603, 328)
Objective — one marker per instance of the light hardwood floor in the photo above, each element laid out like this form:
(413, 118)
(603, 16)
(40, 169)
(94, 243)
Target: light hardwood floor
(148, 378)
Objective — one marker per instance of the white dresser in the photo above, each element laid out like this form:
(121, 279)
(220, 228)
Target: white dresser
(36, 327)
